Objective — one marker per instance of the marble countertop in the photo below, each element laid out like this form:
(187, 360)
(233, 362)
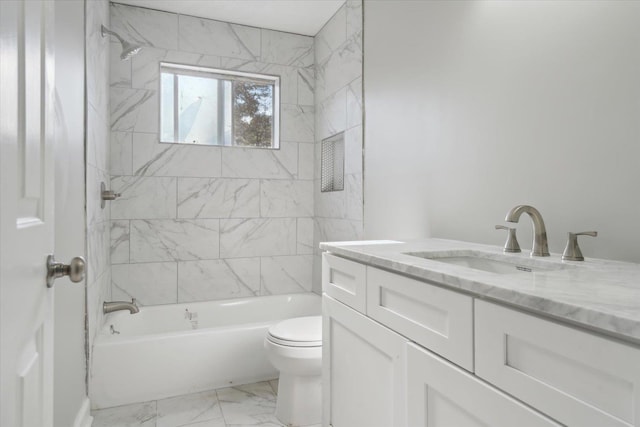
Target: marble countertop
(601, 295)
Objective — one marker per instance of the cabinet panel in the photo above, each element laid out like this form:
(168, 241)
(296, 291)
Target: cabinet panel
(363, 370)
(345, 281)
(442, 395)
(436, 318)
(575, 377)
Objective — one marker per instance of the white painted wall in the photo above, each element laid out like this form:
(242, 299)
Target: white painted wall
(474, 107)
(69, 352)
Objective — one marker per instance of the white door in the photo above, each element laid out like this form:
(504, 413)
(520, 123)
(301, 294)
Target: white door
(26, 212)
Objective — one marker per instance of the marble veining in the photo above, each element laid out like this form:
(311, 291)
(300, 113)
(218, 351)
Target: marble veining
(257, 237)
(218, 38)
(150, 158)
(306, 153)
(353, 191)
(173, 240)
(97, 149)
(150, 283)
(97, 53)
(120, 241)
(305, 236)
(261, 163)
(342, 67)
(331, 36)
(218, 279)
(147, 27)
(218, 198)
(263, 201)
(354, 103)
(144, 198)
(353, 150)
(242, 405)
(354, 17)
(598, 294)
(121, 153)
(306, 86)
(287, 274)
(283, 198)
(134, 110)
(287, 49)
(248, 405)
(297, 123)
(338, 102)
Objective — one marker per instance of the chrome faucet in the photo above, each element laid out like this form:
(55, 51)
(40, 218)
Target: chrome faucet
(108, 307)
(540, 246)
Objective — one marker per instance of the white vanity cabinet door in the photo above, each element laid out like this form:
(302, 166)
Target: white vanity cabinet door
(575, 377)
(345, 281)
(363, 370)
(441, 394)
(436, 318)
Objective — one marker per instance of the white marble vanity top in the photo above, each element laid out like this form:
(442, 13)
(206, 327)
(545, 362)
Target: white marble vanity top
(598, 294)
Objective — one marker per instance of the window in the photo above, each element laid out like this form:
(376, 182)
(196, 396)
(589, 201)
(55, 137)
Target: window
(218, 107)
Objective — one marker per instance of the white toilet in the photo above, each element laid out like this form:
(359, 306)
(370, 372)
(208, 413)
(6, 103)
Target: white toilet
(294, 347)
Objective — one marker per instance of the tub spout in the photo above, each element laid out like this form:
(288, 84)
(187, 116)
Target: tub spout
(108, 307)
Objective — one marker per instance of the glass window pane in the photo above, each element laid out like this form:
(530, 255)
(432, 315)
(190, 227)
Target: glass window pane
(166, 107)
(253, 114)
(228, 112)
(197, 110)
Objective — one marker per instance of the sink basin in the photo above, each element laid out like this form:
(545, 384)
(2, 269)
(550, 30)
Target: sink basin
(490, 262)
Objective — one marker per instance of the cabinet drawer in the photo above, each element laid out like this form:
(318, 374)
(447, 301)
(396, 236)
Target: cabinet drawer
(345, 281)
(436, 318)
(440, 394)
(575, 377)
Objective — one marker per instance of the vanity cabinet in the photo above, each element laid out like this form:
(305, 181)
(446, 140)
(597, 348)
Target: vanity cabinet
(345, 281)
(441, 394)
(576, 377)
(363, 369)
(400, 352)
(435, 318)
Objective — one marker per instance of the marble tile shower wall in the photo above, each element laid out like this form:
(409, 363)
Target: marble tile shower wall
(199, 222)
(97, 163)
(338, 101)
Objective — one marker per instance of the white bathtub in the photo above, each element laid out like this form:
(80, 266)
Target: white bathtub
(170, 350)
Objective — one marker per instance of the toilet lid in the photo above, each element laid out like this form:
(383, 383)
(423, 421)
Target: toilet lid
(298, 332)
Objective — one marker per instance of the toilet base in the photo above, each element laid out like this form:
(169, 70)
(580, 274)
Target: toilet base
(299, 400)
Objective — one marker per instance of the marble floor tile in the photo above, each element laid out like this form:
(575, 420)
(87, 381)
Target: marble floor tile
(241, 406)
(274, 386)
(136, 415)
(189, 410)
(248, 405)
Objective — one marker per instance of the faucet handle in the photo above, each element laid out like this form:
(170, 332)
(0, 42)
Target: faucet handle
(572, 251)
(511, 245)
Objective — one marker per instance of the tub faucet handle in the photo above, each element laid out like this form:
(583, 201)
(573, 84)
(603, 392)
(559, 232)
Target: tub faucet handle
(511, 245)
(572, 251)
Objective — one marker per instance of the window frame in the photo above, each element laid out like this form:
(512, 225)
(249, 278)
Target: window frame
(229, 75)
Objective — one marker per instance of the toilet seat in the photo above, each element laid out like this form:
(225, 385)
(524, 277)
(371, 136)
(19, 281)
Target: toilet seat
(297, 332)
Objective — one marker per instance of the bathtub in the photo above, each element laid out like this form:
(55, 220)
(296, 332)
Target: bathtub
(170, 350)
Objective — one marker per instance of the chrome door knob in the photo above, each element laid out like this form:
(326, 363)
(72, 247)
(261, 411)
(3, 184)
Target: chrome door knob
(75, 270)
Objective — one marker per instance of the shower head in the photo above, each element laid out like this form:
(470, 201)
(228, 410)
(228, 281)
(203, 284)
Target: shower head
(128, 49)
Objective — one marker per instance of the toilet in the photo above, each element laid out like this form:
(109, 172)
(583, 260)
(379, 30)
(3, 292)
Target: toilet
(294, 347)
